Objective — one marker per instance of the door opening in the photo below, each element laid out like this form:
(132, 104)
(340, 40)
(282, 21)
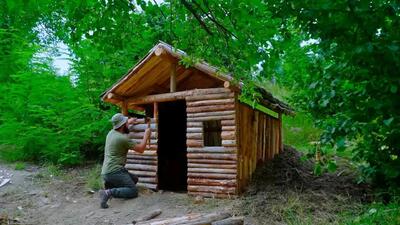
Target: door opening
(172, 159)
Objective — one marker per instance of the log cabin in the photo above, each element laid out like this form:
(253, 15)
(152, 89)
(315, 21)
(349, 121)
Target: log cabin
(204, 140)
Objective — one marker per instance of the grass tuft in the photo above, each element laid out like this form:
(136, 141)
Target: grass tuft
(93, 178)
(20, 166)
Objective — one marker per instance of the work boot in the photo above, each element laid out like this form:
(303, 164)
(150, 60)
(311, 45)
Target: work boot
(105, 195)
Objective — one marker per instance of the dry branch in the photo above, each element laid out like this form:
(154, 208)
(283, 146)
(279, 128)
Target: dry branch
(149, 216)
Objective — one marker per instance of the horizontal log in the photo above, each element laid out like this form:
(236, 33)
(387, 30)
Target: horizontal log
(194, 124)
(212, 176)
(170, 221)
(195, 136)
(142, 127)
(214, 166)
(230, 221)
(203, 114)
(194, 130)
(212, 182)
(214, 148)
(147, 152)
(210, 91)
(228, 135)
(207, 118)
(140, 135)
(147, 185)
(210, 102)
(190, 219)
(147, 216)
(228, 128)
(151, 180)
(142, 157)
(205, 219)
(177, 95)
(212, 161)
(211, 170)
(211, 150)
(144, 121)
(141, 167)
(194, 143)
(152, 148)
(209, 96)
(228, 122)
(138, 161)
(152, 141)
(210, 108)
(143, 173)
(212, 195)
(212, 189)
(229, 143)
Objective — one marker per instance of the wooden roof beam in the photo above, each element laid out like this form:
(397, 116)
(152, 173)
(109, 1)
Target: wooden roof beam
(115, 97)
(162, 53)
(175, 95)
(159, 97)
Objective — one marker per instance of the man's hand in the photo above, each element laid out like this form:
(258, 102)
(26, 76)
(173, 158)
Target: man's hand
(132, 120)
(147, 134)
(142, 146)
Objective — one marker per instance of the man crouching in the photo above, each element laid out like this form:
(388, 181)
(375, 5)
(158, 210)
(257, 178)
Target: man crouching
(119, 183)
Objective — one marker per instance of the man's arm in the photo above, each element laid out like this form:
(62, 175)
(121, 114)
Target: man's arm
(142, 146)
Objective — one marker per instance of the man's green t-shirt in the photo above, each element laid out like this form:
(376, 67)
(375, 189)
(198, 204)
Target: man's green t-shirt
(117, 146)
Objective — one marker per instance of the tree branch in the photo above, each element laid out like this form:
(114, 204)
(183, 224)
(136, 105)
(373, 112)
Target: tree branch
(211, 16)
(189, 7)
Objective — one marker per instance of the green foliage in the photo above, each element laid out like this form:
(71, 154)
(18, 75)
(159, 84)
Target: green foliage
(352, 79)
(376, 213)
(45, 118)
(300, 132)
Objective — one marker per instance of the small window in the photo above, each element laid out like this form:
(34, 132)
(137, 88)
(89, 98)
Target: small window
(212, 133)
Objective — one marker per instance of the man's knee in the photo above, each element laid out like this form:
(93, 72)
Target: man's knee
(125, 192)
(134, 192)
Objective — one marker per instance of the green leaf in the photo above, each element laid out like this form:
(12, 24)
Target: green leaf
(332, 166)
(341, 144)
(393, 88)
(317, 169)
(387, 122)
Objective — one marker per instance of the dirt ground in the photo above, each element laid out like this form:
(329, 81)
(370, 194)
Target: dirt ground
(34, 198)
(282, 192)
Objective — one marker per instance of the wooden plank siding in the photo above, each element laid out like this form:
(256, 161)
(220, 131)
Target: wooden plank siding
(212, 170)
(259, 139)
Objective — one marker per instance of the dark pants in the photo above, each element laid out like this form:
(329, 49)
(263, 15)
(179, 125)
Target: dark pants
(122, 184)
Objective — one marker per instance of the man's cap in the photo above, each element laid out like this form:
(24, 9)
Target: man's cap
(118, 120)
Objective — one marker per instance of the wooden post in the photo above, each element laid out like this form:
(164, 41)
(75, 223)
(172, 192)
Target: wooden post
(280, 133)
(173, 78)
(155, 111)
(155, 116)
(124, 108)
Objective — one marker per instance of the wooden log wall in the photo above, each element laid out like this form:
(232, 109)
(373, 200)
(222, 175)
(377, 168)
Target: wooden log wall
(144, 165)
(212, 170)
(260, 139)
